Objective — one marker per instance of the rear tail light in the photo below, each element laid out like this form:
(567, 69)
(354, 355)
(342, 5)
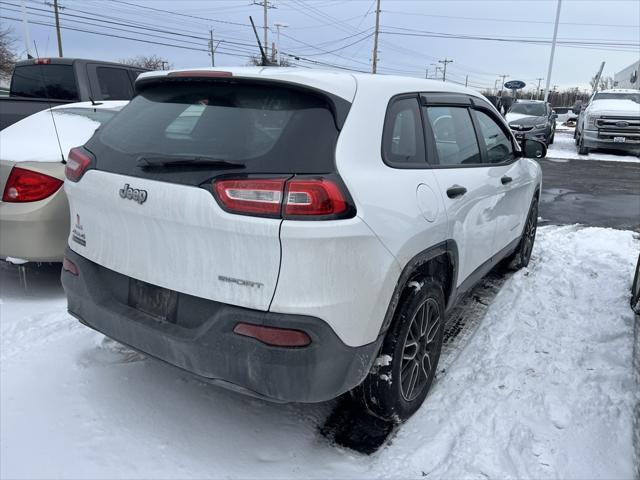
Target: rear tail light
(277, 337)
(251, 197)
(298, 198)
(28, 186)
(69, 266)
(314, 197)
(43, 61)
(78, 162)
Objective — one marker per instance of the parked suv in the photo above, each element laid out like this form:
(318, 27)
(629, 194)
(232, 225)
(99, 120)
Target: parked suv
(295, 235)
(610, 120)
(533, 119)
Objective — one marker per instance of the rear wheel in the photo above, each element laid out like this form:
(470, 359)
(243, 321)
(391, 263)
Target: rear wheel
(521, 257)
(404, 371)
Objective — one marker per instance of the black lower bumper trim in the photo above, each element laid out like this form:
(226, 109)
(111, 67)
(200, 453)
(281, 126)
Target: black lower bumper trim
(201, 340)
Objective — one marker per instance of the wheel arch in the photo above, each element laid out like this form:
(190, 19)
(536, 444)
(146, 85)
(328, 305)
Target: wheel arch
(438, 261)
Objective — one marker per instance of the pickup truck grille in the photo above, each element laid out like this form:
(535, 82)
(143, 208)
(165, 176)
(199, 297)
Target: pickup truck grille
(619, 127)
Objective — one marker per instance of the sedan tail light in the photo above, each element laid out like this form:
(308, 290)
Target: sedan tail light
(295, 198)
(28, 186)
(78, 162)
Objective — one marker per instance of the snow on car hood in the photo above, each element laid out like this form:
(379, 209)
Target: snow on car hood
(614, 107)
(525, 119)
(33, 139)
(511, 116)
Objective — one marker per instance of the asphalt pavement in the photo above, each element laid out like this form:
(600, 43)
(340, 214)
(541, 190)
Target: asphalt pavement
(590, 192)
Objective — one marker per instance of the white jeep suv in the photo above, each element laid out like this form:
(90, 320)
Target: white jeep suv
(295, 235)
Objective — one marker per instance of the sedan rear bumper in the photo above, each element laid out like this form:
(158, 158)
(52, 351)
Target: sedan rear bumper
(201, 340)
(35, 231)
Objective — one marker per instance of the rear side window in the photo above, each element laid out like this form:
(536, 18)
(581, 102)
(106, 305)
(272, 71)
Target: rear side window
(403, 137)
(114, 83)
(266, 128)
(44, 81)
(455, 137)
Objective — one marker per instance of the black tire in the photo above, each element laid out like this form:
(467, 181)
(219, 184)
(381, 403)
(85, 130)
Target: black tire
(582, 150)
(521, 257)
(395, 389)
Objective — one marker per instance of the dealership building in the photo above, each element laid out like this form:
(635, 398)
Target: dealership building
(628, 78)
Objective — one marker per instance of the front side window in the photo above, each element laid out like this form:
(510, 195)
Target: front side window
(455, 137)
(403, 137)
(499, 148)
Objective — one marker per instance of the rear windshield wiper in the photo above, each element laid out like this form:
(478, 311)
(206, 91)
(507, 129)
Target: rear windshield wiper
(151, 161)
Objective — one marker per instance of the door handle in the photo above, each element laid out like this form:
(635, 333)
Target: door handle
(456, 191)
(506, 179)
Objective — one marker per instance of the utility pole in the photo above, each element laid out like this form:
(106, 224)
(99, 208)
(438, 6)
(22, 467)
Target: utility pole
(502, 84)
(25, 24)
(538, 89)
(266, 5)
(374, 67)
(466, 80)
(212, 48)
(444, 70)
(278, 27)
(163, 63)
(55, 12)
(553, 50)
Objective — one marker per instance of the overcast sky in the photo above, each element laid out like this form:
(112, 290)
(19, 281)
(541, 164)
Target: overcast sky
(414, 34)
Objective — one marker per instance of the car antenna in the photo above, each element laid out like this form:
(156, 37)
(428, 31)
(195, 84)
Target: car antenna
(46, 93)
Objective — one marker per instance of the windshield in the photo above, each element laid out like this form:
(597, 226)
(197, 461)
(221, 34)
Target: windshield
(56, 82)
(532, 109)
(634, 97)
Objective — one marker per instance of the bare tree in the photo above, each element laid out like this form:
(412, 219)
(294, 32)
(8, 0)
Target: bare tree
(150, 62)
(7, 54)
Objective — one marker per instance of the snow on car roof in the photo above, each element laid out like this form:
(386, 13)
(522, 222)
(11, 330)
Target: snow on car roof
(33, 139)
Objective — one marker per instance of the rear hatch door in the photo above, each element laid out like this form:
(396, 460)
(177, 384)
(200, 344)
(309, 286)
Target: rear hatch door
(147, 209)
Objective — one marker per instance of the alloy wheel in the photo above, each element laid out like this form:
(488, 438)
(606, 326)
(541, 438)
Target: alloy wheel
(419, 351)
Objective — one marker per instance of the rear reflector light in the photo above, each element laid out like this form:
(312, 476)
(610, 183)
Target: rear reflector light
(278, 337)
(251, 197)
(296, 198)
(78, 162)
(200, 73)
(69, 266)
(28, 186)
(314, 197)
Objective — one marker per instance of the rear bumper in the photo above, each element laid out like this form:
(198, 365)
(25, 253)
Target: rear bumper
(202, 341)
(35, 231)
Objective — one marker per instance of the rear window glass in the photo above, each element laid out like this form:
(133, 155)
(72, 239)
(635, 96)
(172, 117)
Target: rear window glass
(267, 128)
(115, 83)
(44, 81)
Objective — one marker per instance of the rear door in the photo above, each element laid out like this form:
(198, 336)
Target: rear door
(160, 222)
(468, 184)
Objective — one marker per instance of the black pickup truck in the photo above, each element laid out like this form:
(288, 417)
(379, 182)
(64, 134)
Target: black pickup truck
(46, 82)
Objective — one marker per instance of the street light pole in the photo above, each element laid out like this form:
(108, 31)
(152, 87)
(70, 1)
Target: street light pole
(278, 26)
(553, 51)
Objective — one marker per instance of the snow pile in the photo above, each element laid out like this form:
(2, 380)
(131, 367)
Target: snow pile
(564, 147)
(544, 389)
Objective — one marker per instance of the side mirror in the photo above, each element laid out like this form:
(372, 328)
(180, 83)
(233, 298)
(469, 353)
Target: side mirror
(533, 148)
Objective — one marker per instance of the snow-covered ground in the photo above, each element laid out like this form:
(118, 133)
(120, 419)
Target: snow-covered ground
(564, 147)
(543, 389)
